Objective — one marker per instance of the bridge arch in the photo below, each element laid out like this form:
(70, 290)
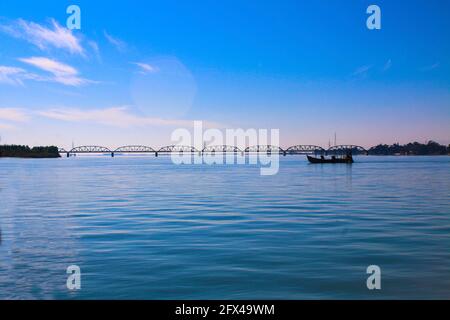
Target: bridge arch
(264, 148)
(90, 149)
(135, 149)
(176, 148)
(305, 149)
(348, 148)
(221, 148)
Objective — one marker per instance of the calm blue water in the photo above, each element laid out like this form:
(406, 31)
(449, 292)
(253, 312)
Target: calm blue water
(144, 228)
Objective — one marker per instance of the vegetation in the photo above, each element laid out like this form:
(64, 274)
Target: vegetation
(415, 148)
(27, 152)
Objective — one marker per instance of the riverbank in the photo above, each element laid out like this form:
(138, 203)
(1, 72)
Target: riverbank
(411, 149)
(16, 151)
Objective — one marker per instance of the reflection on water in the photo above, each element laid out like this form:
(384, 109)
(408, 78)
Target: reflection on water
(145, 228)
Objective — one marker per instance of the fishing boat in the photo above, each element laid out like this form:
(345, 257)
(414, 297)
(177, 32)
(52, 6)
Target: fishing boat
(346, 159)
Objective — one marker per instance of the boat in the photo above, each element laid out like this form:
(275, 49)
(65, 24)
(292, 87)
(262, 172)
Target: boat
(333, 159)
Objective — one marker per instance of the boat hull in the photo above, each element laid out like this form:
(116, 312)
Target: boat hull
(319, 160)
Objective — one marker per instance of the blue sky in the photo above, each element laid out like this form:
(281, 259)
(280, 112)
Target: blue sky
(139, 69)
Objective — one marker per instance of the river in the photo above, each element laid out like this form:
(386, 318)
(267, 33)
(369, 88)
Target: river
(145, 228)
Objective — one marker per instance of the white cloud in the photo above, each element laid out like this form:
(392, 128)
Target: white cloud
(13, 114)
(387, 65)
(52, 66)
(95, 48)
(62, 73)
(116, 116)
(11, 75)
(45, 37)
(361, 71)
(145, 68)
(431, 67)
(119, 44)
(16, 76)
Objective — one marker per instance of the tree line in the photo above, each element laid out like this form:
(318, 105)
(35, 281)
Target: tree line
(27, 152)
(414, 148)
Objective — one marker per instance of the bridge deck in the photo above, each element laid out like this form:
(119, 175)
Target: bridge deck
(224, 149)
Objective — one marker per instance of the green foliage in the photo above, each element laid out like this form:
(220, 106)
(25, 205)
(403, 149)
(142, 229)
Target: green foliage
(27, 152)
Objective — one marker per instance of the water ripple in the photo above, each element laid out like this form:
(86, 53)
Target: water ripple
(143, 228)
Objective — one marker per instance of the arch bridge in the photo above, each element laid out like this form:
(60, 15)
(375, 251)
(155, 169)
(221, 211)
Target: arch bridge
(221, 149)
(265, 149)
(175, 148)
(90, 149)
(135, 149)
(305, 149)
(269, 149)
(347, 148)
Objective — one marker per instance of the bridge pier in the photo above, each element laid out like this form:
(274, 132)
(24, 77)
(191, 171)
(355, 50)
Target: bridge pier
(156, 154)
(68, 154)
(112, 154)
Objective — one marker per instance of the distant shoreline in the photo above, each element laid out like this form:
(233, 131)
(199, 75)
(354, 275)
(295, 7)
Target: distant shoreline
(411, 149)
(16, 151)
(409, 155)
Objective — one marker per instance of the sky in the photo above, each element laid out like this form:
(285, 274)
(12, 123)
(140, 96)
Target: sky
(138, 70)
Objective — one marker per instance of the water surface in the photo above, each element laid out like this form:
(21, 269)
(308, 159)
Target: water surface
(144, 228)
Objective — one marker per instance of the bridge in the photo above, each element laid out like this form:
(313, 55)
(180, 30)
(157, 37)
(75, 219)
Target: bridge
(345, 149)
(221, 149)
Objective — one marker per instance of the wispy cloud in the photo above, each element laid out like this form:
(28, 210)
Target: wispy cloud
(95, 48)
(16, 76)
(12, 75)
(431, 67)
(145, 68)
(116, 116)
(13, 114)
(62, 73)
(387, 65)
(119, 44)
(361, 71)
(5, 126)
(45, 37)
